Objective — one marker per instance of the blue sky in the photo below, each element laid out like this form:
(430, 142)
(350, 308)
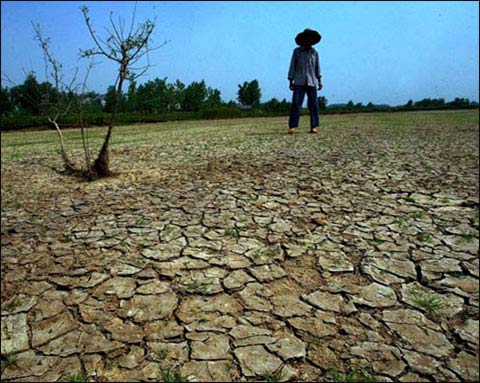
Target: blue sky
(383, 52)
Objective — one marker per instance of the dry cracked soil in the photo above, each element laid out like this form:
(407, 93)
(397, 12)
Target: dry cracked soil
(231, 251)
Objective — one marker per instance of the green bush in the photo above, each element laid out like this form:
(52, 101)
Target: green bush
(220, 112)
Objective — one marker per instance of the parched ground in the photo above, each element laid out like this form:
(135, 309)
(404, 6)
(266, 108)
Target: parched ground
(229, 250)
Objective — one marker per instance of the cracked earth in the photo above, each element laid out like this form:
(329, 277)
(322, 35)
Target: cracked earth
(229, 250)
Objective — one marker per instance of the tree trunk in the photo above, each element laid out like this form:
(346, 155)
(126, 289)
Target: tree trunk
(101, 166)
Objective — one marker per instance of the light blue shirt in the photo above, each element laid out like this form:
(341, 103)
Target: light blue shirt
(304, 67)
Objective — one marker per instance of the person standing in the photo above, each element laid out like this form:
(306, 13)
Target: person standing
(304, 77)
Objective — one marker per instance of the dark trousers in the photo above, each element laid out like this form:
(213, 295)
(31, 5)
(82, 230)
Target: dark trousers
(297, 101)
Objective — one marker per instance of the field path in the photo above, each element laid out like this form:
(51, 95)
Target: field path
(230, 250)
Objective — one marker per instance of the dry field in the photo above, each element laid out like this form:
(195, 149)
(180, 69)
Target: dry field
(230, 250)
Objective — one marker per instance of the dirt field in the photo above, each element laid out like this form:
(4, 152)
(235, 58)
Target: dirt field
(230, 250)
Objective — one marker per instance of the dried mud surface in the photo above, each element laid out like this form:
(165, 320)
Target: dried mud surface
(229, 250)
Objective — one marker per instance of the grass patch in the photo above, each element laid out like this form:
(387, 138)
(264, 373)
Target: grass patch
(427, 301)
(173, 375)
(417, 215)
(8, 360)
(233, 232)
(401, 221)
(424, 237)
(13, 304)
(469, 237)
(426, 165)
(314, 344)
(356, 375)
(160, 355)
(275, 376)
(78, 377)
(265, 253)
(194, 286)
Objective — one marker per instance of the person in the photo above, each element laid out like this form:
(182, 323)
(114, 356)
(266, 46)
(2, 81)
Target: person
(304, 77)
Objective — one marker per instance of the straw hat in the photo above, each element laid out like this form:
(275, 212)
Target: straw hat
(308, 37)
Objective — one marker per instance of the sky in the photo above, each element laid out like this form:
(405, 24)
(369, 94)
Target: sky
(380, 52)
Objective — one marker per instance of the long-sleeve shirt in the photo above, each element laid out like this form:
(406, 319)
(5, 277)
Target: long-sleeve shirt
(304, 67)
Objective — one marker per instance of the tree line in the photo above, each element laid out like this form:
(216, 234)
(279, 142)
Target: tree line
(159, 100)
(424, 104)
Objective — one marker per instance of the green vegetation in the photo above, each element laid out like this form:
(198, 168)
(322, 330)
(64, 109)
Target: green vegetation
(314, 344)
(411, 216)
(13, 304)
(78, 377)
(424, 237)
(194, 286)
(160, 355)
(233, 232)
(427, 301)
(158, 101)
(469, 236)
(400, 221)
(173, 375)
(249, 93)
(244, 134)
(417, 215)
(276, 376)
(8, 360)
(268, 253)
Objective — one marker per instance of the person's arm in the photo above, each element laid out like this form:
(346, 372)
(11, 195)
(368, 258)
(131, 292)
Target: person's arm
(317, 72)
(291, 70)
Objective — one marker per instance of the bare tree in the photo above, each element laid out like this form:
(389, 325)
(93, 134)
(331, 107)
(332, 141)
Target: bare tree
(57, 99)
(125, 49)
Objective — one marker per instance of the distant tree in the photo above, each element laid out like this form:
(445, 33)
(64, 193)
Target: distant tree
(27, 97)
(459, 102)
(424, 103)
(350, 105)
(249, 93)
(213, 98)
(409, 104)
(358, 106)
(272, 106)
(175, 94)
(153, 96)
(194, 96)
(6, 104)
(110, 99)
(131, 103)
(322, 102)
(285, 106)
(370, 106)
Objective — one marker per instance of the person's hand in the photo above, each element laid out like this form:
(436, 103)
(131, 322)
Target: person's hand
(320, 85)
(290, 86)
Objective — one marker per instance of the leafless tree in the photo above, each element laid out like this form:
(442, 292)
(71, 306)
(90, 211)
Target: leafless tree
(55, 104)
(126, 49)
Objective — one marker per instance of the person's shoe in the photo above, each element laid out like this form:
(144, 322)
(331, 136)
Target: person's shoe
(291, 131)
(314, 130)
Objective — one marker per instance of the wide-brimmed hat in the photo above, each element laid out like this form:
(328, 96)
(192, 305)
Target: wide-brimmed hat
(308, 37)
